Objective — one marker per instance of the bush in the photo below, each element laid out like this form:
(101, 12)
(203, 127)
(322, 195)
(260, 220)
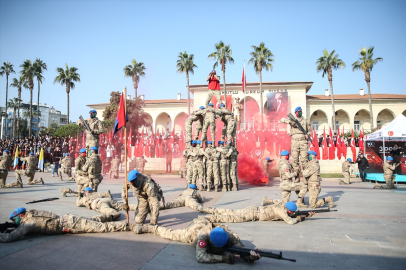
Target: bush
(71, 129)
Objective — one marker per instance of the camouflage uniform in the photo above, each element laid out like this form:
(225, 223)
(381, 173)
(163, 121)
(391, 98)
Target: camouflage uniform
(66, 168)
(312, 177)
(189, 164)
(276, 211)
(115, 163)
(93, 167)
(31, 165)
(189, 198)
(45, 222)
(141, 164)
(197, 117)
(5, 163)
(287, 185)
(230, 126)
(388, 169)
(96, 127)
(81, 176)
(212, 165)
(183, 169)
(346, 173)
(234, 167)
(224, 166)
(209, 119)
(267, 165)
(197, 165)
(148, 199)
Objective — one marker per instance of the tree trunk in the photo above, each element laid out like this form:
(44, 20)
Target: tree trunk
(188, 92)
(332, 105)
(261, 100)
(370, 106)
(67, 92)
(135, 85)
(14, 122)
(6, 100)
(224, 85)
(30, 130)
(38, 109)
(19, 105)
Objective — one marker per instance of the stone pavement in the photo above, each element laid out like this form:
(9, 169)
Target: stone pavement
(367, 232)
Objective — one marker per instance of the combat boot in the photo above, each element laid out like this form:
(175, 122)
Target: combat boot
(377, 186)
(64, 191)
(208, 210)
(330, 201)
(216, 188)
(266, 201)
(235, 188)
(340, 181)
(201, 188)
(208, 188)
(20, 184)
(300, 203)
(224, 188)
(42, 181)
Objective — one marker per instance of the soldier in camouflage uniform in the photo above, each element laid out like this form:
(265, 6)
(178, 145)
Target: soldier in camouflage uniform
(66, 168)
(287, 183)
(5, 163)
(224, 151)
(96, 128)
(210, 115)
(182, 168)
(189, 198)
(267, 164)
(388, 170)
(196, 116)
(31, 165)
(189, 162)
(311, 174)
(93, 167)
(346, 172)
(148, 193)
(233, 156)
(115, 163)
(299, 143)
(204, 235)
(212, 165)
(230, 126)
(45, 222)
(81, 177)
(141, 164)
(197, 165)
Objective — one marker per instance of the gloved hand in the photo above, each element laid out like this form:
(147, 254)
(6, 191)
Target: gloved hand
(229, 258)
(254, 256)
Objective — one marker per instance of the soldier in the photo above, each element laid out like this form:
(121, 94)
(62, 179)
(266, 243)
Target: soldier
(93, 167)
(287, 184)
(311, 174)
(276, 211)
(196, 116)
(299, 142)
(102, 203)
(189, 162)
(141, 164)
(189, 198)
(46, 222)
(210, 115)
(197, 165)
(224, 165)
(66, 167)
(388, 169)
(214, 87)
(212, 165)
(96, 128)
(81, 177)
(182, 168)
(233, 156)
(267, 168)
(207, 237)
(29, 171)
(5, 163)
(115, 163)
(148, 193)
(346, 172)
(230, 126)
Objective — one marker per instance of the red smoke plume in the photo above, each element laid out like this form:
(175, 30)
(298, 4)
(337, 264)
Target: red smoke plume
(250, 171)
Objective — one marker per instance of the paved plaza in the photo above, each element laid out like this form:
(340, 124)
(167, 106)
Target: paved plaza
(367, 232)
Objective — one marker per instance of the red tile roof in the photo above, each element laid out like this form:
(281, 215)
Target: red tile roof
(151, 101)
(253, 84)
(356, 96)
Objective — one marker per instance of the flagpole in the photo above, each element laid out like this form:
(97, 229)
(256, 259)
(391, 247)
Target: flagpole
(245, 100)
(125, 149)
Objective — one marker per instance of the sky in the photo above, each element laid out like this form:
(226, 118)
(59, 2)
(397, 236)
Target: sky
(101, 37)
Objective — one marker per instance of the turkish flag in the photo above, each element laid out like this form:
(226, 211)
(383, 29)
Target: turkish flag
(325, 149)
(316, 144)
(129, 146)
(243, 79)
(343, 146)
(217, 104)
(338, 144)
(331, 147)
(353, 149)
(361, 142)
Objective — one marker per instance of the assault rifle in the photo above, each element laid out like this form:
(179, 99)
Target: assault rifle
(306, 213)
(7, 225)
(87, 126)
(299, 126)
(44, 200)
(246, 252)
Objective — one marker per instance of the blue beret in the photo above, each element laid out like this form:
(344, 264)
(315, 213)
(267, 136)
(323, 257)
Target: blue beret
(94, 148)
(211, 104)
(390, 158)
(218, 237)
(31, 154)
(349, 159)
(291, 206)
(312, 153)
(192, 186)
(198, 142)
(67, 154)
(214, 70)
(133, 175)
(209, 142)
(297, 108)
(88, 189)
(222, 105)
(17, 212)
(220, 142)
(193, 142)
(6, 151)
(83, 150)
(284, 153)
(268, 159)
(92, 111)
(201, 107)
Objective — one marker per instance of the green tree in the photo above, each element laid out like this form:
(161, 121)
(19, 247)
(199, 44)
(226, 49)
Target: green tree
(185, 64)
(50, 130)
(135, 71)
(23, 128)
(365, 63)
(108, 124)
(222, 55)
(6, 68)
(67, 77)
(70, 129)
(40, 67)
(14, 104)
(327, 63)
(262, 58)
(19, 84)
(28, 73)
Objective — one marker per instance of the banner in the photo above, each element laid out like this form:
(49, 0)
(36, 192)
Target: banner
(374, 154)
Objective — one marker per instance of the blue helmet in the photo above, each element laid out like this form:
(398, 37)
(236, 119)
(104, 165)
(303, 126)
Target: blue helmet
(209, 142)
(67, 154)
(349, 159)
(83, 150)
(312, 153)
(17, 212)
(222, 105)
(220, 142)
(285, 153)
(94, 148)
(133, 175)
(92, 111)
(201, 107)
(211, 104)
(88, 189)
(31, 154)
(198, 142)
(298, 108)
(192, 186)
(218, 237)
(193, 142)
(6, 151)
(268, 159)
(291, 206)
(390, 158)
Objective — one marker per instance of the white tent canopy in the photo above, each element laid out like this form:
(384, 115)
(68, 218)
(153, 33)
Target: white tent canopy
(394, 131)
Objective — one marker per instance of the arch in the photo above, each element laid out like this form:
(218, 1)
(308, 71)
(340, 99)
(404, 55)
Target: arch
(149, 122)
(163, 122)
(252, 107)
(404, 113)
(343, 118)
(362, 120)
(180, 122)
(319, 121)
(384, 117)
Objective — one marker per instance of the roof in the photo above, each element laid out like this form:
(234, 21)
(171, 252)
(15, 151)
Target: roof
(252, 84)
(355, 96)
(151, 101)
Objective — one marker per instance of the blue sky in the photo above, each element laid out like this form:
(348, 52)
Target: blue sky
(101, 37)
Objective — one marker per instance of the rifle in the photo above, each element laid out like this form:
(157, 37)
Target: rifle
(44, 200)
(246, 252)
(5, 226)
(87, 126)
(306, 213)
(299, 126)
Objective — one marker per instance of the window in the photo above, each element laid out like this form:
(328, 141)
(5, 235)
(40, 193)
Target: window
(356, 125)
(315, 125)
(337, 125)
(379, 124)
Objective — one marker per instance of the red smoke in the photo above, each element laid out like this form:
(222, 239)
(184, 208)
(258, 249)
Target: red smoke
(250, 171)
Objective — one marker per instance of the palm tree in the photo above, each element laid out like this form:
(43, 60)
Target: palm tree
(185, 64)
(135, 71)
(6, 68)
(365, 63)
(40, 66)
(19, 84)
(14, 103)
(327, 63)
(222, 55)
(261, 57)
(67, 77)
(28, 73)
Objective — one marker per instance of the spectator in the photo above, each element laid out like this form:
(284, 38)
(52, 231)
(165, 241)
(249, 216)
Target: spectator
(363, 165)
